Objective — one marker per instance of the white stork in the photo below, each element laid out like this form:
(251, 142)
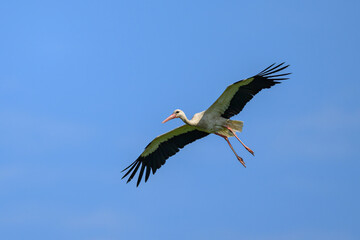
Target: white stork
(216, 119)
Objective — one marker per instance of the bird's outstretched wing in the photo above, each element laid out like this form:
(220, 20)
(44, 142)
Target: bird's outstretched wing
(160, 149)
(235, 97)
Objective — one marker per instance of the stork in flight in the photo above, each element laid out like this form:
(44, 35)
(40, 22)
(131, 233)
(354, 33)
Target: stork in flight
(216, 119)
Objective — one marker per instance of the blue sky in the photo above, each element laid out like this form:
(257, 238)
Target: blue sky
(85, 85)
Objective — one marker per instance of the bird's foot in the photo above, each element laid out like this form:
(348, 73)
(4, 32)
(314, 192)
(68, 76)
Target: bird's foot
(250, 151)
(241, 161)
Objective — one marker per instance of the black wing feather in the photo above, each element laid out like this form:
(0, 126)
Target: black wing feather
(245, 93)
(135, 170)
(166, 149)
(148, 169)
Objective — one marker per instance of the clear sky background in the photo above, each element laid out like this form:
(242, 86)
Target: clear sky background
(84, 86)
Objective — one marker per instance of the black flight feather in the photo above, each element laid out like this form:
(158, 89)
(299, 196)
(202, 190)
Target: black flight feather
(166, 149)
(245, 93)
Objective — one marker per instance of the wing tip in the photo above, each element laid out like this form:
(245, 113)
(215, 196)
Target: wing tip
(133, 169)
(141, 173)
(269, 72)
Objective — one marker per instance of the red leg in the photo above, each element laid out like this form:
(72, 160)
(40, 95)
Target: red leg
(247, 148)
(237, 156)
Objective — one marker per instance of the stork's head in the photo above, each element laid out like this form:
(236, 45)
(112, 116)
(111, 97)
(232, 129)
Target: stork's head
(176, 114)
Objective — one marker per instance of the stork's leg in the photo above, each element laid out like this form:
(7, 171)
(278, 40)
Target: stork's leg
(237, 156)
(247, 148)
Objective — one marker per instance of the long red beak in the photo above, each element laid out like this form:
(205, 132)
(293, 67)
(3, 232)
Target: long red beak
(172, 116)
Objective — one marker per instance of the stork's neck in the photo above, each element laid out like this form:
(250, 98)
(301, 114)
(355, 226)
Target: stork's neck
(185, 120)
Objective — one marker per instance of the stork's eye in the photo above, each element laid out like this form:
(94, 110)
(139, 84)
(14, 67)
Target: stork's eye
(177, 111)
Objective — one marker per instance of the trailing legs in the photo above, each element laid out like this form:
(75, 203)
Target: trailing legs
(237, 156)
(247, 148)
